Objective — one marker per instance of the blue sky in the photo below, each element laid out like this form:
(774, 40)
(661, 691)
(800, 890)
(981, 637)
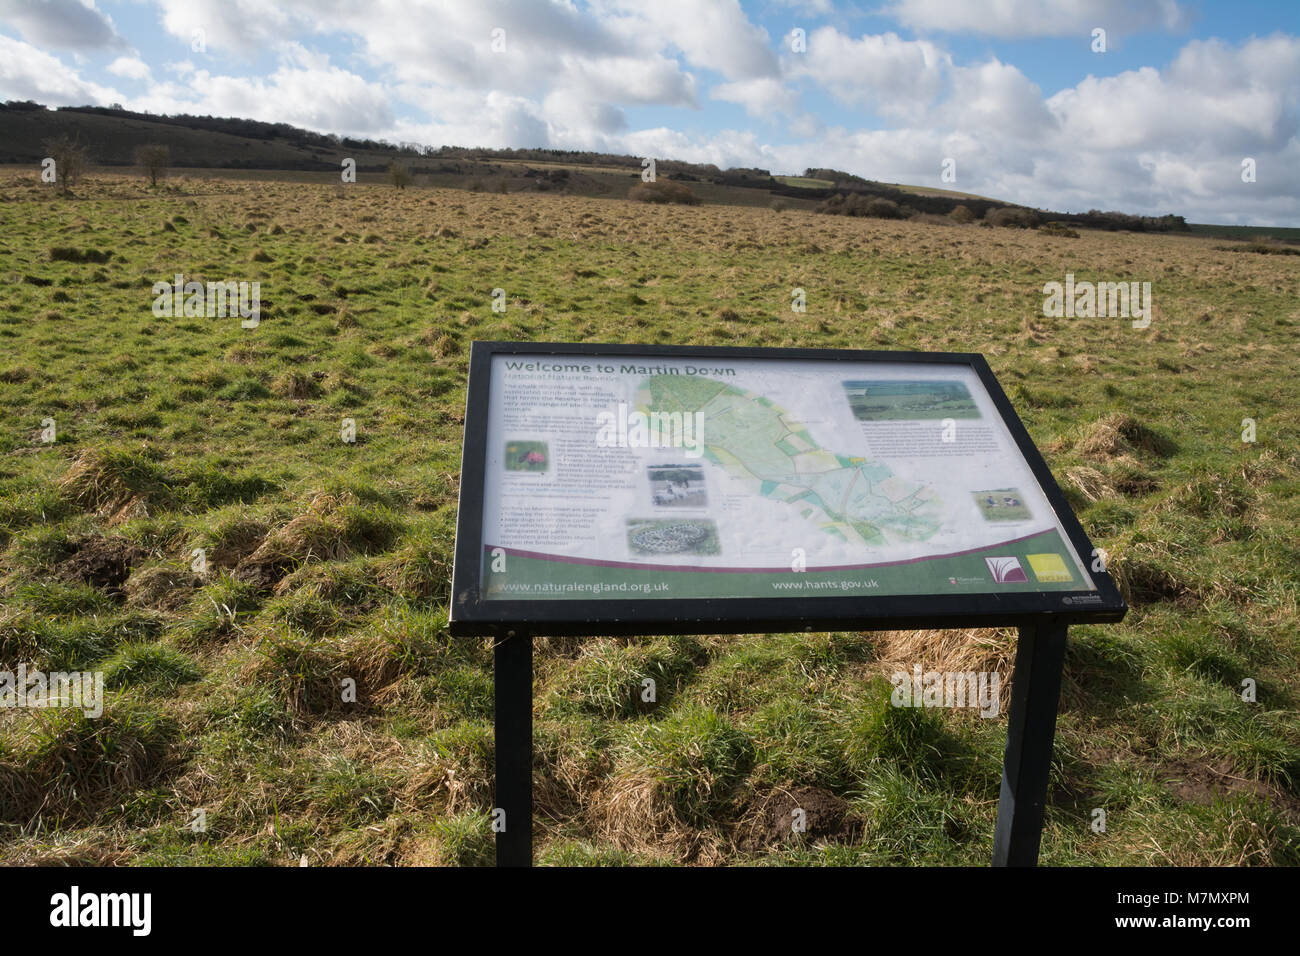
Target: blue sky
(1011, 92)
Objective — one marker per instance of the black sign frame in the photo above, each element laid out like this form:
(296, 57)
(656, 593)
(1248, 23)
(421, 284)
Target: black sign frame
(470, 615)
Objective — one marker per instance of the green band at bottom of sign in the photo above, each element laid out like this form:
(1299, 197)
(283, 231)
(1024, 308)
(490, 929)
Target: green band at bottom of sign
(1039, 562)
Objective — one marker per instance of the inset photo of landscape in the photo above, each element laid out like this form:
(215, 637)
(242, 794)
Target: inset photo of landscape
(900, 401)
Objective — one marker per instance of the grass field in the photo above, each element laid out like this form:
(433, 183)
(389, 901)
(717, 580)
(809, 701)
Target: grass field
(804, 182)
(1279, 233)
(326, 563)
(935, 191)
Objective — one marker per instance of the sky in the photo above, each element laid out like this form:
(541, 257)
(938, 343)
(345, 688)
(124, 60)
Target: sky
(1021, 100)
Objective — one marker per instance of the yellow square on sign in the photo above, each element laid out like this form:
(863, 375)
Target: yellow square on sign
(1049, 567)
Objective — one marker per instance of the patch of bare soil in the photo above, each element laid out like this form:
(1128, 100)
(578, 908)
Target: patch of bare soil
(772, 822)
(161, 588)
(1204, 783)
(100, 561)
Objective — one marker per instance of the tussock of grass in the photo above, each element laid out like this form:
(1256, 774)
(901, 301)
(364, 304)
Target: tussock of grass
(116, 482)
(991, 650)
(57, 598)
(317, 677)
(121, 484)
(72, 254)
(61, 766)
(149, 665)
(333, 527)
(296, 384)
(161, 587)
(347, 788)
(220, 610)
(609, 680)
(420, 570)
(1118, 434)
(673, 776)
(1090, 483)
(1210, 495)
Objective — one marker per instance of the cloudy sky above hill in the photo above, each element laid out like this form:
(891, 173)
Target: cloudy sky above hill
(1012, 91)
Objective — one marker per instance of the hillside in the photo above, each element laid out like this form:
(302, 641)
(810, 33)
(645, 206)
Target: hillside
(205, 143)
(112, 139)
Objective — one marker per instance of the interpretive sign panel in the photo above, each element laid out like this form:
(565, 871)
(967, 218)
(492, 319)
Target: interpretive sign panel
(644, 489)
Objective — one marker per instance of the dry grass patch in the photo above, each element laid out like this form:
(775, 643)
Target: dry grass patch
(62, 766)
(334, 527)
(1090, 483)
(1118, 435)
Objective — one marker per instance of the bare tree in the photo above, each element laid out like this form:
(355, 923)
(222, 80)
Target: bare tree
(70, 161)
(399, 175)
(154, 160)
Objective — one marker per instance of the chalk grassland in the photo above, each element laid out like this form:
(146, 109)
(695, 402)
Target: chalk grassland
(328, 563)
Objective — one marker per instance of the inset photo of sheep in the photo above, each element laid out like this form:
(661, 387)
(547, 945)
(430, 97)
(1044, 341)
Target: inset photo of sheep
(677, 486)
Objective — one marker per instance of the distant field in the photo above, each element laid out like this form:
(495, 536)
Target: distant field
(1284, 233)
(325, 563)
(932, 191)
(804, 182)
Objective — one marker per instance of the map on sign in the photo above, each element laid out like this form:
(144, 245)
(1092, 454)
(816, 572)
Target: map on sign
(613, 476)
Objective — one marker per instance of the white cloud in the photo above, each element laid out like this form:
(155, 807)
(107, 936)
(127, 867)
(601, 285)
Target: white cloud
(239, 27)
(27, 73)
(580, 123)
(810, 8)
(1037, 18)
(712, 34)
(627, 79)
(305, 90)
(130, 67)
(575, 70)
(762, 97)
(893, 76)
(63, 24)
(1212, 97)
(996, 96)
(494, 120)
(1146, 141)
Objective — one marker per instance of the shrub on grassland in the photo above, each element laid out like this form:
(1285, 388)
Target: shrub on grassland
(663, 191)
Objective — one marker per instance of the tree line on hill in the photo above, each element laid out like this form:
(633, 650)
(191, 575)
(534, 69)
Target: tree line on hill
(234, 126)
(848, 194)
(887, 202)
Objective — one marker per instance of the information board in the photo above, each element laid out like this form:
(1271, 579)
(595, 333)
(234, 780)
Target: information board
(702, 486)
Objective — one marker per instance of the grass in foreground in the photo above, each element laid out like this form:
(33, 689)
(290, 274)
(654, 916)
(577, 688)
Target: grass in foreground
(327, 564)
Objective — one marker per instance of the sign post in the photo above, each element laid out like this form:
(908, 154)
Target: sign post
(512, 680)
(640, 490)
(1031, 727)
